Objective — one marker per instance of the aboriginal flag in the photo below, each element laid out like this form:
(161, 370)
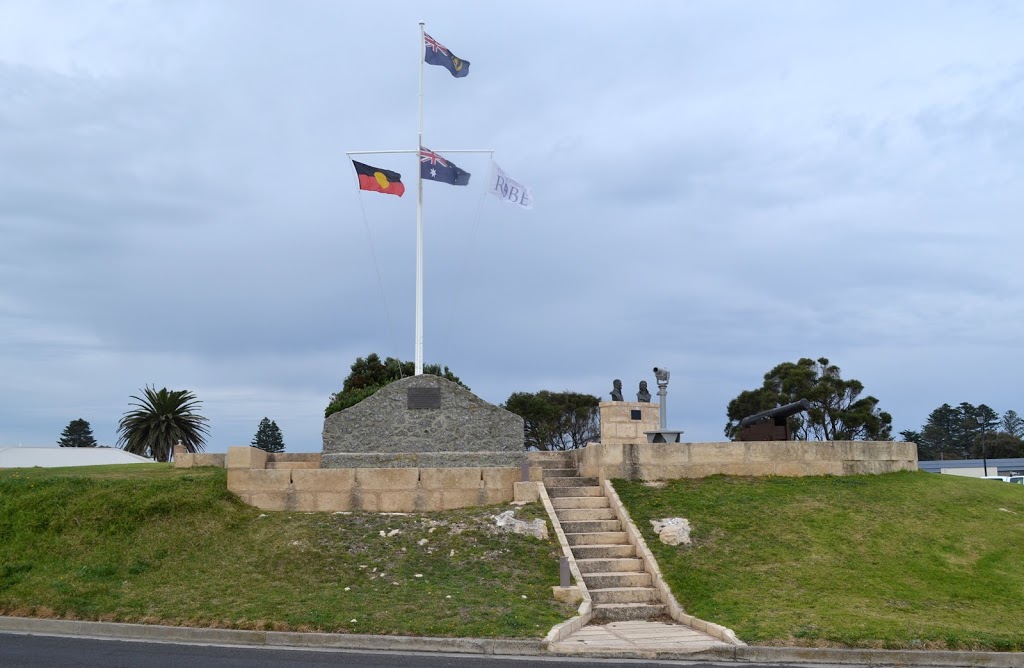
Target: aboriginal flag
(379, 180)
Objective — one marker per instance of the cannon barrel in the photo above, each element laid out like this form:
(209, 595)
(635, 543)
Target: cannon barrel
(779, 412)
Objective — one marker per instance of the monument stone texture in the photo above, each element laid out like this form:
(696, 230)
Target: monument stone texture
(423, 421)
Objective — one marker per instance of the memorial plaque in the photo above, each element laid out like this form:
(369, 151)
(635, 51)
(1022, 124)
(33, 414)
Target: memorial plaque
(634, 414)
(423, 397)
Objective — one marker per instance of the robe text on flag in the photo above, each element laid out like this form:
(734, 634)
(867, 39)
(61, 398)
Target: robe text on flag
(507, 189)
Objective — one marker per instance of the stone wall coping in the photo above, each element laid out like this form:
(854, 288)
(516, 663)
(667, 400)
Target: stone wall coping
(668, 461)
(675, 610)
(585, 612)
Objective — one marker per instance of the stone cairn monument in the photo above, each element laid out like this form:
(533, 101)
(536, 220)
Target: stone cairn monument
(423, 422)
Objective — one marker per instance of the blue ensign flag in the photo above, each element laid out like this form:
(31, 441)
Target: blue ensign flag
(435, 168)
(435, 54)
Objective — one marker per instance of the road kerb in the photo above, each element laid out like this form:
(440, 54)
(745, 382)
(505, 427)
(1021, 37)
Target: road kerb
(154, 633)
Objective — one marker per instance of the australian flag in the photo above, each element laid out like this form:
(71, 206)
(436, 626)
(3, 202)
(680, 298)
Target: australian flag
(436, 168)
(435, 54)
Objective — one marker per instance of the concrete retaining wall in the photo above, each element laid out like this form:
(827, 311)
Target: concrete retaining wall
(669, 461)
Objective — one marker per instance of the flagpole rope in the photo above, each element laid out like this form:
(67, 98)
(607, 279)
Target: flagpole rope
(376, 270)
(467, 265)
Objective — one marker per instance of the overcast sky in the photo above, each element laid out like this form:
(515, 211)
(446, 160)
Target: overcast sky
(719, 187)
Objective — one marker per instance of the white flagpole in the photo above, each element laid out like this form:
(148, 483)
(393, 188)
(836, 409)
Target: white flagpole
(419, 222)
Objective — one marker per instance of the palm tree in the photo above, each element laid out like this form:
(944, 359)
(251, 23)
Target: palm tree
(162, 419)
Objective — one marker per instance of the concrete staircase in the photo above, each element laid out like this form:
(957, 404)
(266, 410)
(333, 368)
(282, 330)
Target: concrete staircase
(618, 585)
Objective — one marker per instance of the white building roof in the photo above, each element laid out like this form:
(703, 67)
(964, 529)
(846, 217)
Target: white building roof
(11, 458)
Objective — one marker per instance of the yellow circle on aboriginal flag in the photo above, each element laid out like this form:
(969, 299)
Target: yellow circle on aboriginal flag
(382, 180)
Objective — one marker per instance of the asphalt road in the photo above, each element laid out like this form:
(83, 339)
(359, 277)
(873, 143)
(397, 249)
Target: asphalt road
(28, 651)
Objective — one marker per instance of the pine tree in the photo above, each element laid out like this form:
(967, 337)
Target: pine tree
(268, 437)
(78, 434)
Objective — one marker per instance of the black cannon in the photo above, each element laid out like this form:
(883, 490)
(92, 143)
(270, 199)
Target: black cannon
(771, 425)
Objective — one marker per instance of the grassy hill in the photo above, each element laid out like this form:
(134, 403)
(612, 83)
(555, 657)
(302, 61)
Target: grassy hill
(905, 560)
(152, 544)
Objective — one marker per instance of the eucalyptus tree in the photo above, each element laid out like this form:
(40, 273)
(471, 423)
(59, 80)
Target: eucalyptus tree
(556, 420)
(838, 411)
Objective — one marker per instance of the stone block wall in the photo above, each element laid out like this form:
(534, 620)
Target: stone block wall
(279, 460)
(186, 460)
(668, 461)
(305, 488)
(626, 421)
(293, 460)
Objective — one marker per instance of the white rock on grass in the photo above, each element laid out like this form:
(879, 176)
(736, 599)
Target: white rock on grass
(672, 530)
(538, 528)
(422, 541)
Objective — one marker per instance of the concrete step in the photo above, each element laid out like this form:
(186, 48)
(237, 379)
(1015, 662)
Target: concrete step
(603, 551)
(580, 502)
(554, 461)
(617, 580)
(590, 526)
(560, 473)
(596, 538)
(625, 595)
(620, 612)
(570, 481)
(554, 491)
(618, 565)
(584, 514)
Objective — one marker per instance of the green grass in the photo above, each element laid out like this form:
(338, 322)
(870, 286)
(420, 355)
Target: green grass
(153, 544)
(903, 560)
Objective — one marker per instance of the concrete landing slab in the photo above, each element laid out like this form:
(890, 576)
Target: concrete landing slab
(636, 636)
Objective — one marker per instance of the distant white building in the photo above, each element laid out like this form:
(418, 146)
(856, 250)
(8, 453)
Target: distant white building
(966, 471)
(975, 468)
(14, 458)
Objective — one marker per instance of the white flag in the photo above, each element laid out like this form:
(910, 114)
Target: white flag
(507, 189)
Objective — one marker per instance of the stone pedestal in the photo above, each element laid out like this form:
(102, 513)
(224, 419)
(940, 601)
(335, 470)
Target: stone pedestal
(627, 421)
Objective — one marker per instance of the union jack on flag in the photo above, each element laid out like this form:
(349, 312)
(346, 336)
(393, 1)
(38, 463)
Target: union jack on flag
(434, 44)
(434, 53)
(435, 168)
(426, 155)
